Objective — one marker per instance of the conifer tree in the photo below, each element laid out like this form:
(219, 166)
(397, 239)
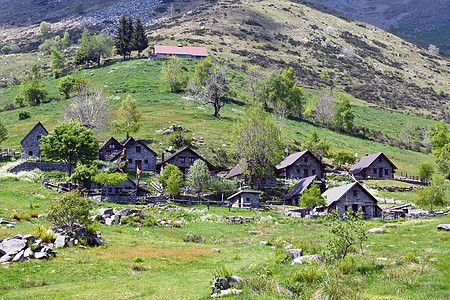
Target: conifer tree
(122, 39)
(139, 40)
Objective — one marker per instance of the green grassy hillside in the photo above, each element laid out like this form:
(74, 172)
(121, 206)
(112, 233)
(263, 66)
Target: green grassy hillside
(160, 108)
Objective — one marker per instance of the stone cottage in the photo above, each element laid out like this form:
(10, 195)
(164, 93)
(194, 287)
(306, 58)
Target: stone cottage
(300, 165)
(30, 146)
(183, 159)
(375, 166)
(353, 197)
(245, 199)
(293, 197)
(110, 149)
(140, 156)
(238, 173)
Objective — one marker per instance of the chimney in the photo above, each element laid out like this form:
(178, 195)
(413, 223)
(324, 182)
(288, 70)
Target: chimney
(162, 155)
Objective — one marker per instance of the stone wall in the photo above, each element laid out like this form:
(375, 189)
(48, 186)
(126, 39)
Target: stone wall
(297, 170)
(356, 199)
(373, 171)
(146, 157)
(41, 166)
(31, 145)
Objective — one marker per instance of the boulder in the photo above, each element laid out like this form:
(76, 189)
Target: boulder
(220, 283)
(263, 243)
(215, 250)
(29, 237)
(5, 258)
(98, 241)
(444, 227)
(295, 253)
(235, 280)
(307, 259)
(60, 241)
(109, 221)
(375, 230)
(124, 212)
(13, 246)
(37, 244)
(28, 253)
(41, 255)
(226, 292)
(18, 257)
(17, 237)
(106, 212)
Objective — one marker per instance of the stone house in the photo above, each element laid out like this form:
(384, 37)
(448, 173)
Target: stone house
(30, 146)
(375, 166)
(110, 149)
(293, 197)
(183, 159)
(238, 173)
(300, 165)
(352, 197)
(245, 199)
(140, 156)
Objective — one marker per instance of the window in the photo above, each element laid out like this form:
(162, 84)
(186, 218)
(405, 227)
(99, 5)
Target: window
(306, 159)
(363, 209)
(355, 193)
(138, 149)
(248, 199)
(38, 137)
(306, 172)
(191, 160)
(374, 171)
(386, 172)
(314, 172)
(182, 160)
(108, 152)
(130, 160)
(345, 207)
(298, 171)
(30, 153)
(355, 207)
(112, 146)
(146, 161)
(110, 190)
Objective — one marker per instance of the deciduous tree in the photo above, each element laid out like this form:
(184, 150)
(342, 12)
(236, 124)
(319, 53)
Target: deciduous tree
(128, 117)
(343, 116)
(434, 194)
(341, 157)
(172, 72)
(3, 132)
(312, 197)
(319, 147)
(199, 178)
(57, 61)
(68, 210)
(425, 170)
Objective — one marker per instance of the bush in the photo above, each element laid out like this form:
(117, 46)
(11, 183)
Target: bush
(19, 101)
(194, 238)
(68, 210)
(91, 229)
(310, 274)
(15, 216)
(180, 138)
(411, 257)
(44, 233)
(33, 214)
(223, 271)
(281, 256)
(23, 115)
(138, 260)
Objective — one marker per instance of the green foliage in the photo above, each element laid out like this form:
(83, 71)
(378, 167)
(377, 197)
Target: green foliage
(33, 92)
(281, 256)
(312, 197)
(19, 101)
(33, 214)
(168, 170)
(194, 238)
(223, 271)
(66, 85)
(180, 138)
(69, 209)
(308, 274)
(172, 72)
(57, 60)
(434, 194)
(6, 49)
(128, 117)
(443, 160)
(425, 170)
(93, 48)
(411, 257)
(123, 36)
(341, 157)
(199, 178)
(70, 143)
(139, 41)
(344, 231)
(318, 147)
(343, 117)
(79, 9)
(46, 30)
(175, 182)
(3, 132)
(108, 179)
(257, 139)
(23, 115)
(91, 229)
(83, 174)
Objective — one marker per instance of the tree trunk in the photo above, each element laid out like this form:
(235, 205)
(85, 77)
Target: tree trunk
(216, 110)
(139, 54)
(127, 135)
(70, 169)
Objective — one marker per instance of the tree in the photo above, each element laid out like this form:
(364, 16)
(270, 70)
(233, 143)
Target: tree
(343, 117)
(68, 85)
(93, 48)
(323, 107)
(172, 72)
(70, 143)
(57, 60)
(440, 146)
(139, 41)
(312, 197)
(443, 160)
(168, 169)
(172, 179)
(79, 9)
(256, 77)
(434, 194)
(199, 178)
(341, 157)
(109, 179)
(425, 170)
(257, 139)
(65, 41)
(128, 117)
(317, 146)
(84, 174)
(122, 38)
(210, 85)
(3, 132)
(91, 106)
(344, 232)
(407, 134)
(6, 49)
(68, 210)
(46, 30)
(32, 90)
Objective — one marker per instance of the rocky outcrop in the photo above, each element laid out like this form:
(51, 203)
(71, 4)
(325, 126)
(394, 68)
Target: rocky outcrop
(23, 248)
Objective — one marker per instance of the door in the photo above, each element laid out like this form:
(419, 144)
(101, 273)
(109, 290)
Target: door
(380, 172)
(355, 207)
(139, 164)
(305, 173)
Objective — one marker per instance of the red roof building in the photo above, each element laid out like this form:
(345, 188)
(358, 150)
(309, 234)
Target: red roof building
(166, 51)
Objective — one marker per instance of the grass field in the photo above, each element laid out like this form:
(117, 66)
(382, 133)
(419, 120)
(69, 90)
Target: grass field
(416, 266)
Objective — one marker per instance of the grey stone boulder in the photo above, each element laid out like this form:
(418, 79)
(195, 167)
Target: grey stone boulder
(17, 237)
(124, 212)
(295, 253)
(375, 230)
(226, 292)
(5, 258)
(444, 227)
(60, 241)
(37, 244)
(28, 253)
(307, 259)
(12, 246)
(235, 280)
(29, 237)
(106, 212)
(18, 257)
(109, 221)
(98, 241)
(220, 283)
(41, 255)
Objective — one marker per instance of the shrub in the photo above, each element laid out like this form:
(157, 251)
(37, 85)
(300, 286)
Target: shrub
(15, 216)
(91, 228)
(136, 218)
(33, 214)
(194, 238)
(23, 115)
(69, 209)
(19, 100)
(281, 256)
(309, 274)
(346, 266)
(138, 260)
(44, 233)
(411, 257)
(138, 267)
(223, 271)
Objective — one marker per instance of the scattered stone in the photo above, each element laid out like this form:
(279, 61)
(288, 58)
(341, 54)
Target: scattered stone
(12, 246)
(288, 247)
(29, 237)
(263, 243)
(392, 246)
(109, 221)
(106, 211)
(60, 241)
(215, 250)
(137, 229)
(5, 258)
(444, 227)
(307, 259)
(18, 257)
(41, 255)
(28, 253)
(226, 292)
(235, 280)
(375, 230)
(382, 259)
(295, 253)
(415, 243)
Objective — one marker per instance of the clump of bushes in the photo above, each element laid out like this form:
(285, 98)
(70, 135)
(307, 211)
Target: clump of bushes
(194, 238)
(44, 233)
(23, 115)
(19, 217)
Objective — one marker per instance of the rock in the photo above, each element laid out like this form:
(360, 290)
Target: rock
(37, 244)
(28, 253)
(29, 237)
(226, 292)
(106, 211)
(295, 253)
(382, 259)
(288, 247)
(18, 257)
(10, 226)
(444, 227)
(124, 212)
(17, 237)
(41, 255)
(109, 221)
(220, 283)
(263, 243)
(215, 250)
(60, 241)
(375, 230)
(12, 246)
(235, 280)
(98, 241)
(137, 229)
(307, 259)
(5, 258)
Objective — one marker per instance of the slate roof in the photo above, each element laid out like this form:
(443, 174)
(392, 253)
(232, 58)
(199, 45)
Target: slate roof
(111, 139)
(38, 124)
(239, 169)
(366, 161)
(301, 186)
(336, 193)
(142, 144)
(291, 159)
(130, 142)
(244, 191)
(192, 152)
(180, 50)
